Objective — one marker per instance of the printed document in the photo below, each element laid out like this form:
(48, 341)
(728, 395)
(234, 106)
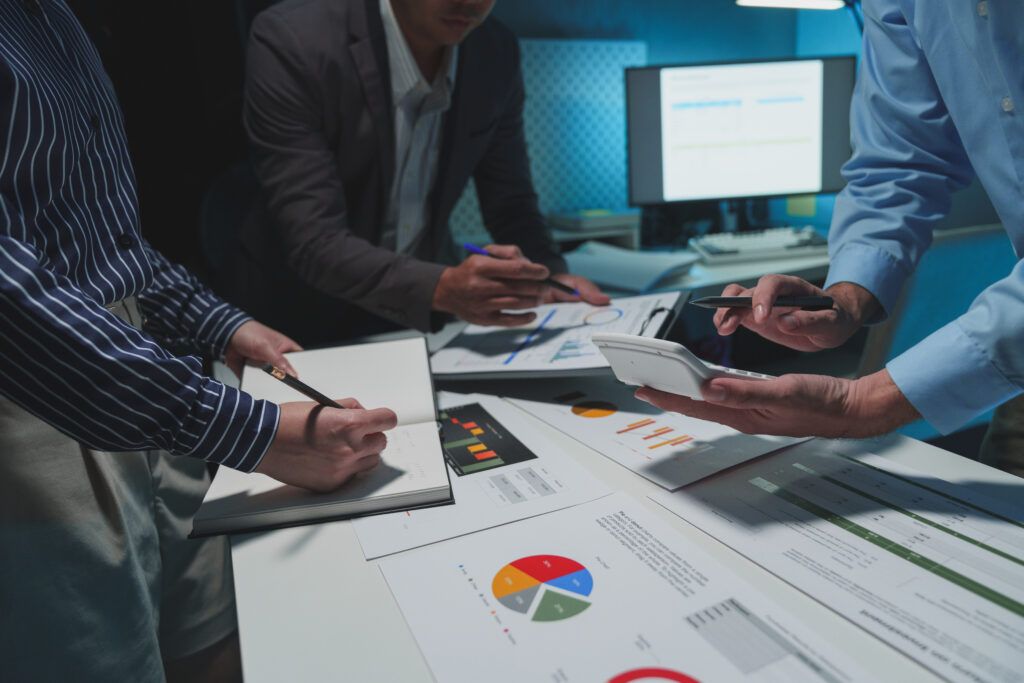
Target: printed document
(501, 470)
(927, 566)
(556, 342)
(669, 449)
(602, 592)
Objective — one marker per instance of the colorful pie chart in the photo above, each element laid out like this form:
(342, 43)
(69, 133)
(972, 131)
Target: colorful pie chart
(545, 587)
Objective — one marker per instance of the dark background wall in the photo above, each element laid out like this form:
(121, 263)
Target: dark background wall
(177, 67)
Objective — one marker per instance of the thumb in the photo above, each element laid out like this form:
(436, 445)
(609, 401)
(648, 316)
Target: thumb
(277, 359)
(740, 393)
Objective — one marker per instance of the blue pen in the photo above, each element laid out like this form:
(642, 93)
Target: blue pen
(549, 281)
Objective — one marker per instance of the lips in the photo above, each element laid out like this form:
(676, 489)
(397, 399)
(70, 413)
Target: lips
(460, 23)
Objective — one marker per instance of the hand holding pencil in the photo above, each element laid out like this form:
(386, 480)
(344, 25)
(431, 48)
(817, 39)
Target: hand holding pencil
(321, 449)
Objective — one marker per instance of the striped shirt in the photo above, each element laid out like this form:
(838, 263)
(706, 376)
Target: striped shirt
(70, 244)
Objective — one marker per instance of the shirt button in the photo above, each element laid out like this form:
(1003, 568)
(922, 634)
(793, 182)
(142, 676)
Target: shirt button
(1007, 104)
(34, 8)
(125, 241)
(94, 122)
(983, 8)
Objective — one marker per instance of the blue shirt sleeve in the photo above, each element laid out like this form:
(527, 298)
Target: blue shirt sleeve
(908, 159)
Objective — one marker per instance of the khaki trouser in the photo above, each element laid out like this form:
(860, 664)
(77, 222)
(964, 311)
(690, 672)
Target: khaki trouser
(98, 581)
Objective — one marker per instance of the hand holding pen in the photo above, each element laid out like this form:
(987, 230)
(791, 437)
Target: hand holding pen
(490, 288)
(793, 312)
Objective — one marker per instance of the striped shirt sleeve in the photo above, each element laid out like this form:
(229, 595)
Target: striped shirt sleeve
(73, 364)
(181, 312)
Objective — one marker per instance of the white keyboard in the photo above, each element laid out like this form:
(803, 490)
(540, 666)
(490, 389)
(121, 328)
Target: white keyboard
(753, 245)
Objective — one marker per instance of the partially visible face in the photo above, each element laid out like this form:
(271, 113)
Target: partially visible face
(440, 23)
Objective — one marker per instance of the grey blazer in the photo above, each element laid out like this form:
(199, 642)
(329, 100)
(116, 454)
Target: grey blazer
(319, 119)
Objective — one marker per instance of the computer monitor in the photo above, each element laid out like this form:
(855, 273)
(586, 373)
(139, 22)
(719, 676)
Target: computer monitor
(737, 130)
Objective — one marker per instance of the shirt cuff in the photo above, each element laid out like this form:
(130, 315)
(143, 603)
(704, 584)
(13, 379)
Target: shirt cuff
(949, 379)
(873, 269)
(229, 427)
(216, 322)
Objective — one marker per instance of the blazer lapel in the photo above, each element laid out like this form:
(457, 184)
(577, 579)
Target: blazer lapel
(369, 54)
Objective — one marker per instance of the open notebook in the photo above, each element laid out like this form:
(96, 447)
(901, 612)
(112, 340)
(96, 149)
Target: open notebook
(392, 374)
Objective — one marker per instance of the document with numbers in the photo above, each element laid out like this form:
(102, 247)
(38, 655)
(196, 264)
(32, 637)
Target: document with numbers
(928, 566)
(557, 341)
(502, 470)
(602, 592)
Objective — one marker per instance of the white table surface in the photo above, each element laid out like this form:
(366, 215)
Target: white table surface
(310, 608)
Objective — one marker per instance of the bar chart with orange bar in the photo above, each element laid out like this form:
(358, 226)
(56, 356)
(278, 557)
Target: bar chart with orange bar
(669, 449)
(473, 440)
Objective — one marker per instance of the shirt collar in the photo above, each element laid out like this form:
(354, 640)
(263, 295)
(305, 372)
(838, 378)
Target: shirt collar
(405, 73)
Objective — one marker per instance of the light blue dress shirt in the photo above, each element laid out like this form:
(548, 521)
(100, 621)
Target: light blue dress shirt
(940, 97)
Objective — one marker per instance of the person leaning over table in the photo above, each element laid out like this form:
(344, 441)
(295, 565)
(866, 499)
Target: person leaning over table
(366, 119)
(939, 97)
(97, 579)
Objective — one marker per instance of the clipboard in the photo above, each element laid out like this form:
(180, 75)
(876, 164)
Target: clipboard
(557, 343)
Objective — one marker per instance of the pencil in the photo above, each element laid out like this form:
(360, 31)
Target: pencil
(301, 387)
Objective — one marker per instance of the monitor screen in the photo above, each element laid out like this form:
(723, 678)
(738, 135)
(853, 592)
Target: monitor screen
(737, 130)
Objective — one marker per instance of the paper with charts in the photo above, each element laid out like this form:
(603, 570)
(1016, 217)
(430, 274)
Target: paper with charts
(501, 470)
(669, 449)
(929, 567)
(602, 592)
(556, 341)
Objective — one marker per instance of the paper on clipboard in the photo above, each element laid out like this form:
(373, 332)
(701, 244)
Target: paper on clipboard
(556, 342)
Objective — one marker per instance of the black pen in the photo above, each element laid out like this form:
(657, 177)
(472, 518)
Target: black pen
(806, 303)
(301, 387)
(548, 281)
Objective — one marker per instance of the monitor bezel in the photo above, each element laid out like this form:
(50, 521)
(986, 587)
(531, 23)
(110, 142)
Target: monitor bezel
(848, 58)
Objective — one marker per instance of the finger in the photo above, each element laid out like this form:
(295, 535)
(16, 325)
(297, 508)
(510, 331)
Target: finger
(287, 345)
(588, 291)
(523, 288)
(770, 287)
(279, 361)
(743, 393)
(350, 403)
(502, 319)
(728, 320)
(809, 323)
(702, 410)
(511, 269)
(504, 251)
(374, 443)
(366, 464)
(377, 420)
(505, 303)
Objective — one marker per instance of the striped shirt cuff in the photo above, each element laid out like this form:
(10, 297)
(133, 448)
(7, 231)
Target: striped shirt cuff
(215, 322)
(233, 428)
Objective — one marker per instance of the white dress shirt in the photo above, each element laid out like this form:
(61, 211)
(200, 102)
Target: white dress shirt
(418, 110)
